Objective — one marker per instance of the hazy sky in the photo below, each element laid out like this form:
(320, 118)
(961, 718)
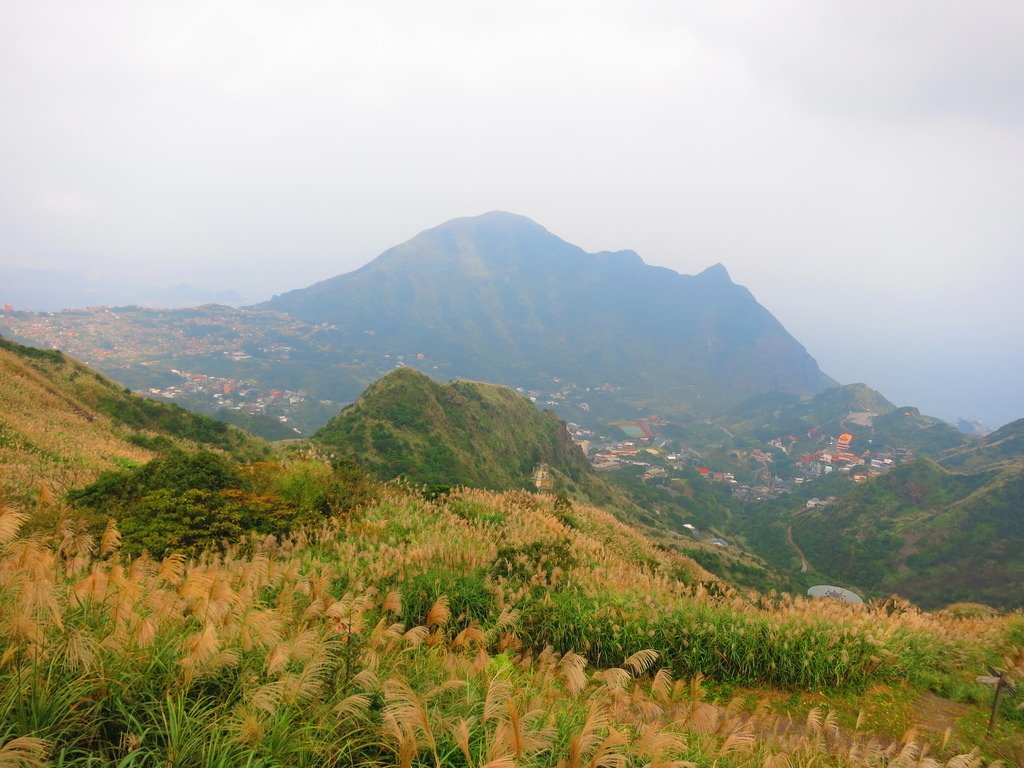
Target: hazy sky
(858, 165)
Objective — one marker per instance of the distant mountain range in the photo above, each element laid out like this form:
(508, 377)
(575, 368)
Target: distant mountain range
(497, 297)
(51, 290)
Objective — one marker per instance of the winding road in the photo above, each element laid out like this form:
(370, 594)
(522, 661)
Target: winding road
(804, 565)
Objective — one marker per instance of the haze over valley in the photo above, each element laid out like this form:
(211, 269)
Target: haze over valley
(511, 385)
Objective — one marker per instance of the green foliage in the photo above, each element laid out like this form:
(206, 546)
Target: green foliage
(33, 353)
(315, 485)
(462, 433)
(190, 501)
(469, 596)
(169, 419)
(523, 561)
(475, 512)
(164, 521)
(176, 471)
(735, 570)
(728, 646)
(1015, 633)
(151, 442)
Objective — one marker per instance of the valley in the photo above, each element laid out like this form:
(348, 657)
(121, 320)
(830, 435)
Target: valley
(315, 452)
(579, 542)
(693, 405)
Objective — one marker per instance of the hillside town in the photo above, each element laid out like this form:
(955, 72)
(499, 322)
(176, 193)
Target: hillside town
(246, 397)
(131, 334)
(215, 359)
(777, 467)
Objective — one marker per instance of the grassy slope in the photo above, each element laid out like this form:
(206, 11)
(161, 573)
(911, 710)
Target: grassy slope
(475, 628)
(479, 627)
(61, 424)
(776, 413)
(921, 531)
(461, 433)
(47, 436)
(1004, 447)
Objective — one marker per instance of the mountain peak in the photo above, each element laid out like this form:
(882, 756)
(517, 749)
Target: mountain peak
(461, 432)
(627, 257)
(716, 273)
(503, 220)
(498, 297)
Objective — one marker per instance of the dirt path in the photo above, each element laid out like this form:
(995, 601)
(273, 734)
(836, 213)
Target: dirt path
(936, 714)
(804, 565)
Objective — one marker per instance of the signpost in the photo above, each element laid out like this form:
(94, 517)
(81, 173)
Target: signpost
(1002, 683)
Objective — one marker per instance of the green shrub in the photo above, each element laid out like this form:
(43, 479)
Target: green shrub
(469, 596)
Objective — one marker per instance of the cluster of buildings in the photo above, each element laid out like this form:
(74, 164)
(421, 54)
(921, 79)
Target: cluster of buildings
(608, 453)
(837, 456)
(559, 395)
(765, 475)
(112, 335)
(232, 394)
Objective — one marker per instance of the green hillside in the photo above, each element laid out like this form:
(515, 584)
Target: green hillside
(930, 535)
(908, 428)
(499, 298)
(61, 424)
(854, 408)
(779, 413)
(459, 433)
(1003, 447)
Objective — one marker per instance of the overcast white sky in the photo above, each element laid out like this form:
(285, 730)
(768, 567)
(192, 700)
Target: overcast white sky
(858, 165)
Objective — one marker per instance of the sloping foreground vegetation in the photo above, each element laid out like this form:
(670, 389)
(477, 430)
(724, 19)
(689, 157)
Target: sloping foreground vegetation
(61, 424)
(476, 629)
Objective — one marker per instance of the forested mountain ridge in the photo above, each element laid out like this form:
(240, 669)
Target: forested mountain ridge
(866, 414)
(929, 534)
(497, 297)
(1003, 447)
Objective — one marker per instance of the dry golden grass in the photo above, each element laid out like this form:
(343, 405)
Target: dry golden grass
(297, 652)
(50, 442)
